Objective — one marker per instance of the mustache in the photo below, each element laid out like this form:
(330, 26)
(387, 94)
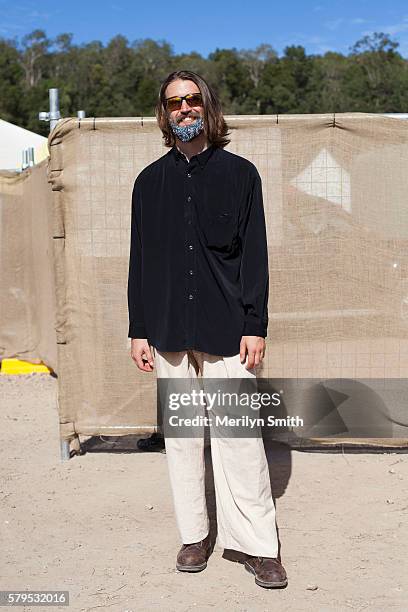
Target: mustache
(193, 115)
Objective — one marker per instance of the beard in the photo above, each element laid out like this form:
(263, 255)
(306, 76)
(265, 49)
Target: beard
(188, 131)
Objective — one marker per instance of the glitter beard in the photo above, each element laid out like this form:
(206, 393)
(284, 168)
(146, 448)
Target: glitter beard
(187, 132)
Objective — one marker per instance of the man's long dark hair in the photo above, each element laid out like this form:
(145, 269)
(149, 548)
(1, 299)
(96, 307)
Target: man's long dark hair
(215, 126)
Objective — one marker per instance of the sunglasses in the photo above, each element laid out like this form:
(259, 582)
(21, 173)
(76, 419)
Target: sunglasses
(176, 102)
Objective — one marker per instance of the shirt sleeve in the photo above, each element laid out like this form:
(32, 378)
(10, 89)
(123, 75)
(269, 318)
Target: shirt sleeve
(254, 271)
(135, 304)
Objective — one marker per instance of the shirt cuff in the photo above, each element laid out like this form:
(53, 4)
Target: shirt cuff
(254, 328)
(137, 331)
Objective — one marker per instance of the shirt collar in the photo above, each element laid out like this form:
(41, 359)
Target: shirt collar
(202, 157)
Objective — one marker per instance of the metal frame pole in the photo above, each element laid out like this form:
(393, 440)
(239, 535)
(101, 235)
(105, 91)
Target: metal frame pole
(55, 114)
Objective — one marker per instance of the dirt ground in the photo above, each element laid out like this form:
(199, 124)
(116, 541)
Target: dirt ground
(101, 525)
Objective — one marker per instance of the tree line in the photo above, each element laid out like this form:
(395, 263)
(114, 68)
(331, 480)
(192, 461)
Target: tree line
(122, 78)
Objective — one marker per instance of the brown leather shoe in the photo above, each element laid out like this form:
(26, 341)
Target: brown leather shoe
(193, 557)
(269, 573)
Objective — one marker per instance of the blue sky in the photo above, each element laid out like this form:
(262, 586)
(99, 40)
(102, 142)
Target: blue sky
(194, 25)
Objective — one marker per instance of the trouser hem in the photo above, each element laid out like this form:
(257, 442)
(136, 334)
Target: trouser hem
(194, 540)
(248, 551)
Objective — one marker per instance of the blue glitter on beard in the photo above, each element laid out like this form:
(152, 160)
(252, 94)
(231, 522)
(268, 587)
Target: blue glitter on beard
(187, 132)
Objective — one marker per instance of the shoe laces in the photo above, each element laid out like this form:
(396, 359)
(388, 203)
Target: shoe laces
(194, 544)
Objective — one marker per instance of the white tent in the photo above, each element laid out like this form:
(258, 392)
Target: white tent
(13, 140)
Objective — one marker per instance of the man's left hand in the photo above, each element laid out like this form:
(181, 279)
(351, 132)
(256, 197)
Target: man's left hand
(255, 347)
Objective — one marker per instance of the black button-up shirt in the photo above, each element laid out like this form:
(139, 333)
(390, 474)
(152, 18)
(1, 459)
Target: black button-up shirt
(198, 269)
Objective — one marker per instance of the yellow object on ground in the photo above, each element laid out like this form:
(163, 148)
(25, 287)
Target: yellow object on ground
(15, 366)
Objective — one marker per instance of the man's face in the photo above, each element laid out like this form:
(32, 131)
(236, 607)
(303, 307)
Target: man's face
(186, 115)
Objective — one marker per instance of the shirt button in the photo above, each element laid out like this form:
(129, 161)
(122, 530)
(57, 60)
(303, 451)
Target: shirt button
(189, 199)
(190, 297)
(190, 272)
(190, 246)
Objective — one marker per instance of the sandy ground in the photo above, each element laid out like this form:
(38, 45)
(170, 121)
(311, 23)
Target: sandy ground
(102, 526)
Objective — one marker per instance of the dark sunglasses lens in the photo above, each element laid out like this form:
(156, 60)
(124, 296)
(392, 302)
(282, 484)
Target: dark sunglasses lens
(174, 104)
(194, 100)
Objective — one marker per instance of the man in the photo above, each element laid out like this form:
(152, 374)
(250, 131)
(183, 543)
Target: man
(197, 296)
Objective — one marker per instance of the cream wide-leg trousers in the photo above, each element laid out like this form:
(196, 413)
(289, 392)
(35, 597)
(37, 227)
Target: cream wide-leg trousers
(245, 508)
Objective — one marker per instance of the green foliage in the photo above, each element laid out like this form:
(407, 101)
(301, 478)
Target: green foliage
(11, 75)
(122, 78)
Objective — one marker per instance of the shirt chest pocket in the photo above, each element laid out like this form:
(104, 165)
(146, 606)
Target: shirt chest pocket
(219, 230)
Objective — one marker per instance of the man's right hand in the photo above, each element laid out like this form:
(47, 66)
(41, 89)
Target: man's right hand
(141, 354)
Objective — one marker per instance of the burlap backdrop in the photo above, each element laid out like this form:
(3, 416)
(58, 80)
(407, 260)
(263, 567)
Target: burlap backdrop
(27, 303)
(335, 202)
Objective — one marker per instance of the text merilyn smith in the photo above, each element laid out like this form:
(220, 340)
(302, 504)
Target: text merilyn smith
(227, 421)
